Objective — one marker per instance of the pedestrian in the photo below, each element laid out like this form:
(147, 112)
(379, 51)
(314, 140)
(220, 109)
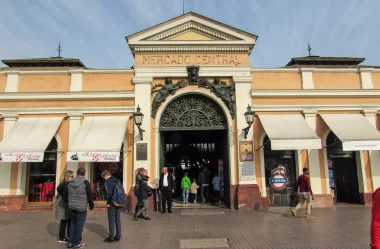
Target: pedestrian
(204, 182)
(185, 185)
(80, 197)
(113, 188)
(375, 221)
(304, 192)
(166, 188)
(217, 183)
(62, 209)
(194, 190)
(138, 180)
(145, 193)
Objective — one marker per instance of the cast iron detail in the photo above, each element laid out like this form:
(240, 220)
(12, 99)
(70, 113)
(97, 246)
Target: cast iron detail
(163, 92)
(193, 112)
(220, 89)
(192, 74)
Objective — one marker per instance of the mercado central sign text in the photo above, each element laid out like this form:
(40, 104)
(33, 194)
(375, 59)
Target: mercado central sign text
(213, 59)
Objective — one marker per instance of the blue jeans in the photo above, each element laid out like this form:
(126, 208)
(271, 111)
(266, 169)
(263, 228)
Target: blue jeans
(204, 192)
(185, 194)
(76, 226)
(195, 196)
(114, 219)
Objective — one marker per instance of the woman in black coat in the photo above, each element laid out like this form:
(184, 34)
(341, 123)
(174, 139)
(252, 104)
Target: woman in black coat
(62, 208)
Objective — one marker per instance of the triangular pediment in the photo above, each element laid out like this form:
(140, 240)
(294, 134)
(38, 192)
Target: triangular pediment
(191, 29)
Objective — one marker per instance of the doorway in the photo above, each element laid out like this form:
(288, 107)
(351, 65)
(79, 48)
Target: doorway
(193, 137)
(342, 172)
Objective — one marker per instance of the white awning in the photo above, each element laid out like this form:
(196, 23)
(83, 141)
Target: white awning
(354, 130)
(289, 132)
(28, 139)
(99, 139)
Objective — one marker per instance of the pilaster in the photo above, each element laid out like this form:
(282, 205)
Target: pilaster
(76, 80)
(313, 156)
(142, 99)
(374, 156)
(75, 120)
(12, 81)
(307, 78)
(366, 78)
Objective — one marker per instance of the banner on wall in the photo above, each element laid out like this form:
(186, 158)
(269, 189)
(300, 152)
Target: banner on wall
(93, 156)
(21, 157)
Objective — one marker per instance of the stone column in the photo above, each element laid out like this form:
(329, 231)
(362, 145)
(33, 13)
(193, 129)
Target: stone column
(76, 80)
(366, 78)
(374, 156)
(248, 191)
(6, 168)
(12, 81)
(75, 120)
(307, 78)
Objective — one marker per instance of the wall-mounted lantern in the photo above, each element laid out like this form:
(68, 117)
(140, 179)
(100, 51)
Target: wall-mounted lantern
(249, 116)
(138, 117)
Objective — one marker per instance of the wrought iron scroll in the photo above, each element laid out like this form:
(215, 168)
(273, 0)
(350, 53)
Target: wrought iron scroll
(193, 112)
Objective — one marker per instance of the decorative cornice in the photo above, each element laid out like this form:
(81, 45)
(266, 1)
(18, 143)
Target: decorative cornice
(17, 96)
(313, 107)
(107, 71)
(143, 80)
(191, 26)
(65, 110)
(318, 93)
(191, 49)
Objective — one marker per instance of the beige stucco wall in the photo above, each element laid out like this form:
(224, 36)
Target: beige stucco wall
(304, 100)
(72, 103)
(376, 79)
(107, 82)
(335, 80)
(276, 80)
(3, 82)
(44, 83)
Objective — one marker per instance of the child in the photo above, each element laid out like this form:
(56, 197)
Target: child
(185, 185)
(216, 181)
(145, 192)
(194, 190)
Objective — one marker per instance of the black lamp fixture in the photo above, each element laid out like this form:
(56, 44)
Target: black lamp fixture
(249, 116)
(138, 118)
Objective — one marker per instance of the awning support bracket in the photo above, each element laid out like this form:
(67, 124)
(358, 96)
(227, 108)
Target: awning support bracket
(263, 145)
(339, 142)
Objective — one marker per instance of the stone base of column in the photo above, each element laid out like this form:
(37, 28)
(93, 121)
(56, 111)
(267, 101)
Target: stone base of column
(366, 199)
(249, 197)
(265, 202)
(323, 201)
(152, 204)
(11, 203)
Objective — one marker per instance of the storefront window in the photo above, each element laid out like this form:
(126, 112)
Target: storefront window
(280, 174)
(42, 175)
(98, 188)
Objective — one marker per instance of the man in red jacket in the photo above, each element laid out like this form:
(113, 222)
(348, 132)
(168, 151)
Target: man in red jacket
(375, 222)
(305, 194)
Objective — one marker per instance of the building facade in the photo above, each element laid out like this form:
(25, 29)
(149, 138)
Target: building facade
(192, 80)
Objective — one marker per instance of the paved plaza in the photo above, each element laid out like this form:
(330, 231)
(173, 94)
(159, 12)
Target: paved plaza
(341, 227)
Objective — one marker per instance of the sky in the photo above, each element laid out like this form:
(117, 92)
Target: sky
(94, 31)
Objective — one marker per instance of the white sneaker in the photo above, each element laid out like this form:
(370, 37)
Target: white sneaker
(195, 202)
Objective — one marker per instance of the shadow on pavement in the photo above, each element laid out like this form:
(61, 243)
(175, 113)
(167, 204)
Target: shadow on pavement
(53, 228)
(98, 229)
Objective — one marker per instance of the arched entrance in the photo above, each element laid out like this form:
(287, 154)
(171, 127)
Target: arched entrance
(343, 171)
(194, 135)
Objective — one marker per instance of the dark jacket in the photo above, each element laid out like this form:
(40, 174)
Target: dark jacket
(204, 177)
(138, 181)
(144, 190)
(303, 183)
(171, 184)
(110, 187)
(61, 207)
(78, 194)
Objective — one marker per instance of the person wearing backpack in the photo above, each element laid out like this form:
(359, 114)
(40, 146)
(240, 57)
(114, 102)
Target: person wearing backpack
(115, 200)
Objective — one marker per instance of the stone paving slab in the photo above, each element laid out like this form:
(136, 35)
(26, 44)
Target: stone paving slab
(203, 243)
(200, 213)
(275, 228)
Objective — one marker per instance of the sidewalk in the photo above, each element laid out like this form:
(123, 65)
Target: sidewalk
(344, 227)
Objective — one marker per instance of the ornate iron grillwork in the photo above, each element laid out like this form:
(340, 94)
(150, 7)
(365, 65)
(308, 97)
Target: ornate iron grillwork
(193, 112)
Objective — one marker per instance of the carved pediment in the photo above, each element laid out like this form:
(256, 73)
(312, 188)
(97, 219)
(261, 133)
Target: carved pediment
(188, 32)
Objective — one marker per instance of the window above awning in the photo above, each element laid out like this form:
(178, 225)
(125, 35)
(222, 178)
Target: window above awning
(354, 130)
(99, 139)
(289, 132)
(28, 139)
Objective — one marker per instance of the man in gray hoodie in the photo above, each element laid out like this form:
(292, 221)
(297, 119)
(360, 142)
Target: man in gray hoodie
(79, 196)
